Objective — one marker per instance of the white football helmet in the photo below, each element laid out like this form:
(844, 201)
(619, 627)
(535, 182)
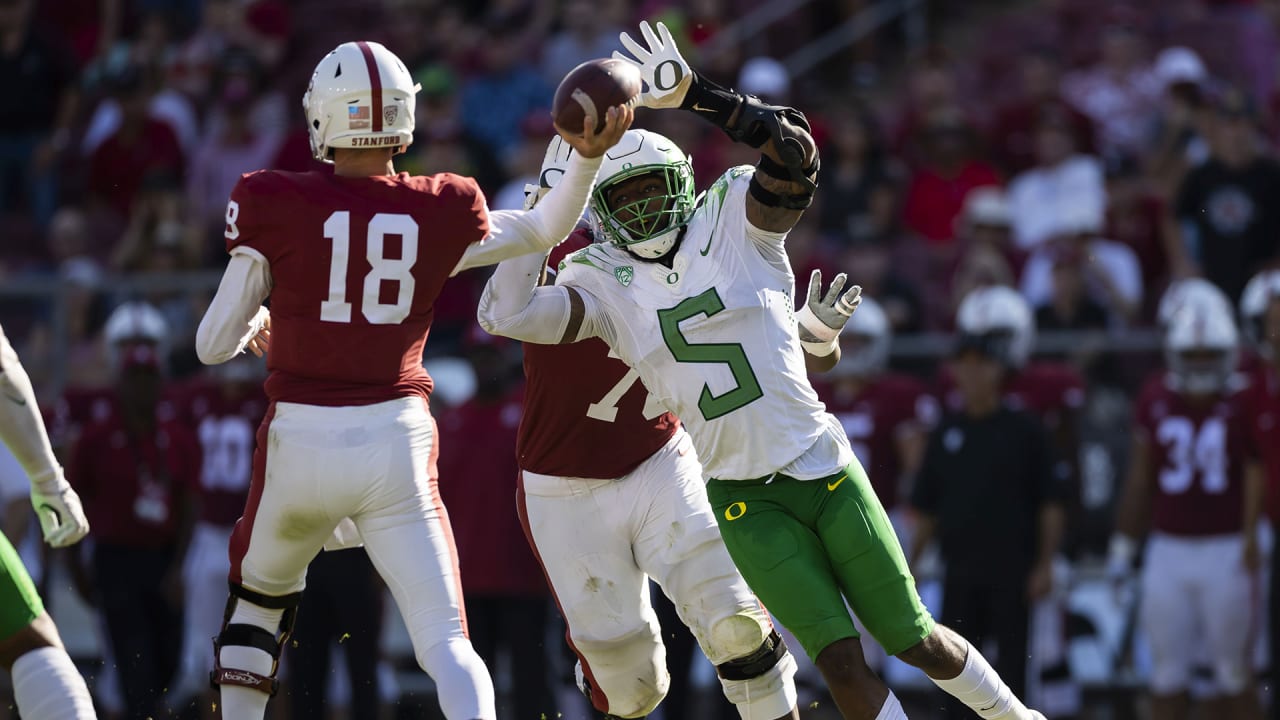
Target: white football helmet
(1201, 346)
(1000, 311)
(1254, 301)
(1189, 291)
(871, 327)
(361, 96)
(136, 321)
(652, 233)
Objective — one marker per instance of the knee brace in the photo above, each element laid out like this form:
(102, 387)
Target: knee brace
(243, 635)
(761, 683)
(630, 673)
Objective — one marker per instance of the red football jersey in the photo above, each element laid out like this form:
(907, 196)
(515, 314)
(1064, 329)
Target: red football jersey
(586, 414)
(873, 419)
(225, 425)
(478, 476)
(1198, 454)
(356, 266)
(131, 486)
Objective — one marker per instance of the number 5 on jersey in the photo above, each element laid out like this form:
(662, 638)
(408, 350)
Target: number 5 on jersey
(337, 228)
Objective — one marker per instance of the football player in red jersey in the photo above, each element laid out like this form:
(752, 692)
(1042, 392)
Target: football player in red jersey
(1194, 480)
(224, 408)
(1055, 393)
(610, 490)
(353, 262)
(1260, 317)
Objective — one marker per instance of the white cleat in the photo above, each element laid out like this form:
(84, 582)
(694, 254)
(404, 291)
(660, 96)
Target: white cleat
(1037, 715)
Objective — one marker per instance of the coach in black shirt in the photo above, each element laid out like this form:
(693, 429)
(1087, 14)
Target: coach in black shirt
(986, 491)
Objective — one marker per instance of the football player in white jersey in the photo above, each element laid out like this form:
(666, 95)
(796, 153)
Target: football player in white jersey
(696, 295)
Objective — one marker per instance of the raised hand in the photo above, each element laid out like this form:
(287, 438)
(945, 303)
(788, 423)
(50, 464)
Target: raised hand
(667, 76)
(594, 141)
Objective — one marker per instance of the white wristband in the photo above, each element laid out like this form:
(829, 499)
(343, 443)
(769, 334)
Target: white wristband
(820, 349)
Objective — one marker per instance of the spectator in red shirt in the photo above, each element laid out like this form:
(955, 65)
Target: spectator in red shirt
(140, 146)
(508, 607)
(137, 473)
(936, 193)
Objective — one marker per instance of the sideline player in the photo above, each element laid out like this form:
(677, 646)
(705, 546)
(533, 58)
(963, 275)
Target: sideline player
(1195, 481)
(610, 489)
(353, 263)
(697, 299)
(46, 684)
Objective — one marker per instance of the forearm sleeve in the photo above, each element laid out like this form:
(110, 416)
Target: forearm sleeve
(236, 314)
(513, 233)
(21, 427)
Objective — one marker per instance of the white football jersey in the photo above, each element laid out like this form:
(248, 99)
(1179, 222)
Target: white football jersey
(713, 338)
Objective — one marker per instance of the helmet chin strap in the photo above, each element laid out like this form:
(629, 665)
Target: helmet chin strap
(655, 247)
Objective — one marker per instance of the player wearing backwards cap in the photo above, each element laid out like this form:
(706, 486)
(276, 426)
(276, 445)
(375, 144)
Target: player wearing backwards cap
(697, 298)
(353, 263)
(46, 684)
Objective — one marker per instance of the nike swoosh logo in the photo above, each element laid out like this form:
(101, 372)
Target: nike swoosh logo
(836, 484)
(699, 108)
(20, 401)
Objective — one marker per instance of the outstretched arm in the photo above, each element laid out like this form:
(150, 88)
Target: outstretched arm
(513, 233)
(514, 306)
(787, 173)
(22, 429)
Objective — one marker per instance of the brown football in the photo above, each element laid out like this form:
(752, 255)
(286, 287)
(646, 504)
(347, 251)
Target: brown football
(592, 88)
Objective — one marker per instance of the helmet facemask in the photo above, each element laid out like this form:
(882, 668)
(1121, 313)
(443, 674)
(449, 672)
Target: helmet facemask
(648, 225)
(1202, 370)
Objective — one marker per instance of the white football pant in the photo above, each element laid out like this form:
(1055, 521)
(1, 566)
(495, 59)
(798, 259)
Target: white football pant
(1190, 582)
(376, 465)
(597, 540)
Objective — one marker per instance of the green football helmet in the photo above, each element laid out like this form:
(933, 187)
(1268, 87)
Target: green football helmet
(647, 232)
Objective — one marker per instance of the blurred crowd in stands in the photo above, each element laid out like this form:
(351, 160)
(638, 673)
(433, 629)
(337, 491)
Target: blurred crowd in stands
(1084, 152)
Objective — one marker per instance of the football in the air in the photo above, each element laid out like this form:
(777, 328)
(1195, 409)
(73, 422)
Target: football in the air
(590, 89)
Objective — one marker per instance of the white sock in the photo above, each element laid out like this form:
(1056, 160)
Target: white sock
(891, 709)
(979, 687)
(48, 687)
(239, 701)
(463, 686)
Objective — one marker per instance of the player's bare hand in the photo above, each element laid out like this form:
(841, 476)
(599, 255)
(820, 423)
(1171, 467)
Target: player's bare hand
(260, 343)
(1040, 582)
(593, 141)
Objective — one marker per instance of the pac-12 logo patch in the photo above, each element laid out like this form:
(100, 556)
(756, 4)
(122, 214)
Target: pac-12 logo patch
(624, 274)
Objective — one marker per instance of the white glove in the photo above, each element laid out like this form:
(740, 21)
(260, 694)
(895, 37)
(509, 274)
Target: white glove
(666, 75)
(824, 316)
(62, 519)
(554, 164)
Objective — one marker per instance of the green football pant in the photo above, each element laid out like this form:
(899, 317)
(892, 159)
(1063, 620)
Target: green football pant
(806, 546)
(19, 602)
